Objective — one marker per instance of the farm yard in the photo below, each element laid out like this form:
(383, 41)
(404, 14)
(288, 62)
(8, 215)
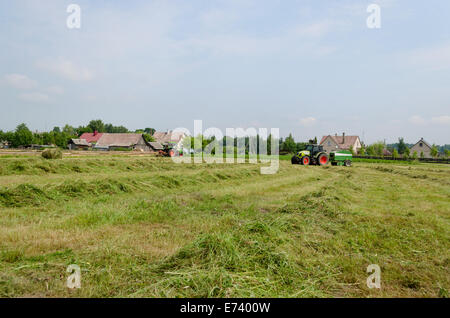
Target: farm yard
(140, 226)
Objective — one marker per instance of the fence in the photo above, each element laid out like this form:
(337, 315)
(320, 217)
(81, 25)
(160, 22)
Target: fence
(426, 160)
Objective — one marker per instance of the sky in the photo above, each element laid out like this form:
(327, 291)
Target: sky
(310, 68)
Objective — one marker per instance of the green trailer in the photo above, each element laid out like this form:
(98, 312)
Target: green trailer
(341, 158)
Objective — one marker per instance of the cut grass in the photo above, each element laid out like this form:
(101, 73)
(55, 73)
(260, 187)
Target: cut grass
(146, 227)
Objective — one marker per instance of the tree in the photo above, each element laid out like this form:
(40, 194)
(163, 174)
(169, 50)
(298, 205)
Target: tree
(406, 153)
(352, 150)
(22, 136)
(96, 125)
(395, 153)
(447, 152)
(148, 137)
(69, 130)
(401, 146)
(150, 131)
(422, 155)
(414, 155)
(362, 150)
(289, 144)
(56, 129)
(434, 151)
(376, 149)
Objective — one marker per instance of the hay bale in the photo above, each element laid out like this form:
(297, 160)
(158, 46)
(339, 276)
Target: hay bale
(52, 154)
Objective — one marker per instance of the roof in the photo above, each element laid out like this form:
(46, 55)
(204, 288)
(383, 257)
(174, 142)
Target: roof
(119, 140)
(156, 145)
(91, 137)
(80, 142)
(348, 142)
(166, 137)
(423, 141)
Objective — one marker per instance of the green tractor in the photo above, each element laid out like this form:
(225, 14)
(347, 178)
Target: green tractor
(312, 155)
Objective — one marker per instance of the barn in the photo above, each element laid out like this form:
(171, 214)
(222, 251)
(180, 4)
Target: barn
(76, 144)
(123, 141)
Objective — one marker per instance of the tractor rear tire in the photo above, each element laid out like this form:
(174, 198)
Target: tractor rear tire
(295, 160)
(306, 161)
(322, 160)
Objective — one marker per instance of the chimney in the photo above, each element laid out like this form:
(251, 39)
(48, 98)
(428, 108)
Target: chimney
(343, 138)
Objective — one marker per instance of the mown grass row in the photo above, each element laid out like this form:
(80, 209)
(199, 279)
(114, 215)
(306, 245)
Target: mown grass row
(230, 232)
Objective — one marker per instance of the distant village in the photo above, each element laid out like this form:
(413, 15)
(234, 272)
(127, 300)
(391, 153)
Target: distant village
(106, 137)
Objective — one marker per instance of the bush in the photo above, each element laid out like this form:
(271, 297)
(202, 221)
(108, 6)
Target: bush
(52, 154)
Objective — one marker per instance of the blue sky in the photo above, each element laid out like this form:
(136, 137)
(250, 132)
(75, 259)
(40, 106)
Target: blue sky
(308, 67)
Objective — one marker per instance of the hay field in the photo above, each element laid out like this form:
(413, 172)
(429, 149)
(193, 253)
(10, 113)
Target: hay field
(140, 226)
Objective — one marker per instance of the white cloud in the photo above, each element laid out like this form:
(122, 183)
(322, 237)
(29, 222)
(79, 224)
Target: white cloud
(317, 29)
(67, 69)
(442, 120)
(19, 81)
(434, 59)
(57, 90)
(34, 97)
(445, 120)
(417, 120)
(308, 121)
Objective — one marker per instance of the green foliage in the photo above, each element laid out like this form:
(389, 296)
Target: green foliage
(406, 153)
(22, 136)
(362, 150)
(401, 146)
(434, 151)
(376, 149)
(97, 125)
(395, 153)
(110, 128)
(289, 145)
(148, 137)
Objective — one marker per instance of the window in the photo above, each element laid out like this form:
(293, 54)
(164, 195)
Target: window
(421, 144)
(329, 143)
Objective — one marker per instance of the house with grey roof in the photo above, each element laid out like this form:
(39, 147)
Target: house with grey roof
(126, 141)
(173, 139)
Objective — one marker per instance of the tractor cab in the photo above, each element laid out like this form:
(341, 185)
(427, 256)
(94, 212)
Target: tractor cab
(313, 154)
(314, 149)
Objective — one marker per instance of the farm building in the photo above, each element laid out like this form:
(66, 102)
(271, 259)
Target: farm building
(91, 138)
(75, 144)
(126, 141)
(106, 141)
(421, 147)
(173, 138)
(155, 146)
(4, 145)
(343, 142)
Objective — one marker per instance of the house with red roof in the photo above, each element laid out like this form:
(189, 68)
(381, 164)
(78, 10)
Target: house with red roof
(107, 141)
(91, 138)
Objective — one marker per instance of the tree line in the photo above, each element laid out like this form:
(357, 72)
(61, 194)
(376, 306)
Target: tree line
(22, 136)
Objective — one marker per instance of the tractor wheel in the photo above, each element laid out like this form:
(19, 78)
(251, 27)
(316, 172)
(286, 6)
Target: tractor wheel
(347, 163)
(306, 161)
(322, 159)
(295, 160)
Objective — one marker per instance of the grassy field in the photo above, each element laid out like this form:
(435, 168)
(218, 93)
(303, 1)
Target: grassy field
(140, 226)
